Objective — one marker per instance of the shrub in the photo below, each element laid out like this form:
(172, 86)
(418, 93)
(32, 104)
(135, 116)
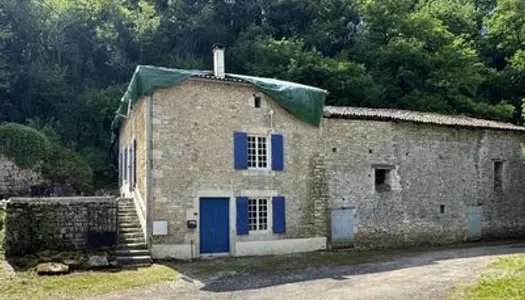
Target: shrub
(66, 168)
(25, 145)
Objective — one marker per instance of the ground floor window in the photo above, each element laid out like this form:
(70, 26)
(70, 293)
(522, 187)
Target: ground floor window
(258, 214)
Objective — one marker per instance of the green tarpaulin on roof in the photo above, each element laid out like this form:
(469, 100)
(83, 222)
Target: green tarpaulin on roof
(304, 102)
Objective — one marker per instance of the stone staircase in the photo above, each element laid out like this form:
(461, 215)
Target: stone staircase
(132, 249)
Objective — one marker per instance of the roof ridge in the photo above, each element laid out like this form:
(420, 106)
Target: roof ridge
(352, 112)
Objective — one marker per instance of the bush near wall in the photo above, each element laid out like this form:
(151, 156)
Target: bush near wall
(25, 145)
(59, 166)
(63, 167)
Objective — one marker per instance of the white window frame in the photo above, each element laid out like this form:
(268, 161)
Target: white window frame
(268, 152)
(269, 215)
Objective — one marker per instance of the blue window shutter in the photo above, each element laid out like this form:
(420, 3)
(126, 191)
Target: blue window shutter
(240, 150)
(279, 215)
(277, 152)
(242, 216)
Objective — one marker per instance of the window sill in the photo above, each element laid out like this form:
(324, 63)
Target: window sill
(258, 172)
(383, 188)
(259, 232)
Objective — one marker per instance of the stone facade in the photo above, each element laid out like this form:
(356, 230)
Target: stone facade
(433, 174)
(133, 129)
(14, 180)
(438, 172)
(36, 224)
(192, 131)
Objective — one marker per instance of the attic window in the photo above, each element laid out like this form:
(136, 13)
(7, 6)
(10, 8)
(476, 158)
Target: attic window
(256, 101)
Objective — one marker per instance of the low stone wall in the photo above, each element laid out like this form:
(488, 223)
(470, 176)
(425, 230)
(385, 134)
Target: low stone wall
(76, 223)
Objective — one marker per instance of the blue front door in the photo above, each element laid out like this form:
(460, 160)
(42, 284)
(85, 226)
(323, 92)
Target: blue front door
(214, 225)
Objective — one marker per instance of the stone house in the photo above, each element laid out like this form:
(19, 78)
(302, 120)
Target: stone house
(218, 165)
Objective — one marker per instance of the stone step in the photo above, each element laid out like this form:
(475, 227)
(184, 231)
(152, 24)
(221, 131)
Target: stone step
(131, 201)
(125, 206)
(131, 252)
(131, 234)
(138, 259)
(129, 219)
(129, 225)
(132, 240)
(132, 246)
(130, 230)
(128, 215)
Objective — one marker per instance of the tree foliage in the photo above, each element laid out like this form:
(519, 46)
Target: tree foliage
(64, 64)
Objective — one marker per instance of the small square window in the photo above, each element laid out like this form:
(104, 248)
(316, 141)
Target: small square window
(383, 178)
(442, 209)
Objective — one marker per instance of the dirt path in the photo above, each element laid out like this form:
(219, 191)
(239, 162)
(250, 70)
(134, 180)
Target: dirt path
(429, 275)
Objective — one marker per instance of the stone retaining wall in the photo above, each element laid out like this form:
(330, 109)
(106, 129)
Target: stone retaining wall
(76, 223)
(14, 180)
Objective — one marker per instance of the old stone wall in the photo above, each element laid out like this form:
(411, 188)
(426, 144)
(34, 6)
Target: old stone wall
(15, 180)
(36, 224)
(134, 129)
(193, 126)
(436, 174)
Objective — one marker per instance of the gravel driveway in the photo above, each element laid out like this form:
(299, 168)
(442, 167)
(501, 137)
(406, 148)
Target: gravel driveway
(428, 275)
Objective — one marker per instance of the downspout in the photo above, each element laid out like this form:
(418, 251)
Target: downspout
(149, 157)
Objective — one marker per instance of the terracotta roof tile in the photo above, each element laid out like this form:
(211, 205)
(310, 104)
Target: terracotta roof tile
(415, 117)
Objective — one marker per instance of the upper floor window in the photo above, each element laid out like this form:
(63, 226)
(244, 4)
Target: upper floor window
(257, 101)
(257, 152)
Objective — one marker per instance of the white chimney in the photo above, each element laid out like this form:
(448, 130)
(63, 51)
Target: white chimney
(218, 60)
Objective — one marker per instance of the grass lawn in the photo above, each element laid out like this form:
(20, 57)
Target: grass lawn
(28, 285)
(503, 279)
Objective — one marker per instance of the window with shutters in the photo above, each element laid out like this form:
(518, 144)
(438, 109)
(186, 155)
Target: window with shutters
(257, 152)
(258, 214)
